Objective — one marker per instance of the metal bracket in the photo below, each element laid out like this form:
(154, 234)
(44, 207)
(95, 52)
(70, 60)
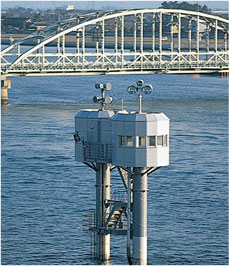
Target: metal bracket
(127, 170)
(91, 165)
(112, 168)
(150, 170)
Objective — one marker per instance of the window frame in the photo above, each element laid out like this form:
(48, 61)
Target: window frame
(132, 141)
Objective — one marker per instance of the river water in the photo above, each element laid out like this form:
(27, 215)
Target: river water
(45, 191)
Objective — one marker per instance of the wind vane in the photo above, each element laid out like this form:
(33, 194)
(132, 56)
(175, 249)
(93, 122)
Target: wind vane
(102, 99)
(141, 88)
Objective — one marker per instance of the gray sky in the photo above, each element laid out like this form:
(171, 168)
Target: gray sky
(109, 4)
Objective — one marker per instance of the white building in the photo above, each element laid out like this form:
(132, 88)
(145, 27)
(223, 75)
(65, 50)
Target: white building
(122, 138)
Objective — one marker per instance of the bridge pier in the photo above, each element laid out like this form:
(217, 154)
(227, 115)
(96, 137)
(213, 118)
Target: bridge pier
(5, 85)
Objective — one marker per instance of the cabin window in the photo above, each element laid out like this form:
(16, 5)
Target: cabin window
(122, 140)
(129, 141)
(165, 140)
(142, 141)
(159, 140)
(152, 141)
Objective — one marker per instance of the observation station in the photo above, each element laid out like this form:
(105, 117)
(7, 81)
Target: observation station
(137, 144)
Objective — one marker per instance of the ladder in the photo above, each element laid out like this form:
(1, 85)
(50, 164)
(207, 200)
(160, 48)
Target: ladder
(116, 215)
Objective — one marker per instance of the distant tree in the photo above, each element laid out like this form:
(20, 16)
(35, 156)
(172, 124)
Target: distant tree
(185, 6)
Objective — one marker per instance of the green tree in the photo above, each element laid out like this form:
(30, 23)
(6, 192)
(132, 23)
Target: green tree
(185, 6)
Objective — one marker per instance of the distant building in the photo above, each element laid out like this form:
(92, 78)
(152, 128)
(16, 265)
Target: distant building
(14, 22)
(33, 27)
(70, 7)
(175, 29)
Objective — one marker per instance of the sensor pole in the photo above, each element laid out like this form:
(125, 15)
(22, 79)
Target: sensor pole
(140, 103)
(104, 101)
(141, 88)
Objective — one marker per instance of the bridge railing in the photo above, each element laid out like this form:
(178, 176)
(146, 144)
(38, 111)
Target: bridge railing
(146, 62)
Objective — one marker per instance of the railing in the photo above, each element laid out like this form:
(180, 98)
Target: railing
(89, 219)
(97, 152)
(120, 195)
(163, 65)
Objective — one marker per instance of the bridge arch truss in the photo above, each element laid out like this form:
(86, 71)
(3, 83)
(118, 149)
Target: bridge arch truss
(130, 41)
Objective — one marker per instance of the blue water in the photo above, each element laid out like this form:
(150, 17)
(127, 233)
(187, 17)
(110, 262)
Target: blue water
(45, 192)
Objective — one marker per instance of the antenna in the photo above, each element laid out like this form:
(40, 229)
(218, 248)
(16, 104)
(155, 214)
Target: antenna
(141, 88)
(102, 99)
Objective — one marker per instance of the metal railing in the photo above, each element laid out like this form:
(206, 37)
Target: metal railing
(89, 67)
(97, 152)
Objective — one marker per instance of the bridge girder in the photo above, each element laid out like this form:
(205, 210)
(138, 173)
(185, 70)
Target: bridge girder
(142, 40)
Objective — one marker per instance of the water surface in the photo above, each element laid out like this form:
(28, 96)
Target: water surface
(45, 191)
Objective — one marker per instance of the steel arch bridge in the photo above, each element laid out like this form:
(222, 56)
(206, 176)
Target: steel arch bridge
(123, 42)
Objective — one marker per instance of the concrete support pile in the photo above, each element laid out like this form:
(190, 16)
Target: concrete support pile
(102, 241)
(5, 85)
(139, 217)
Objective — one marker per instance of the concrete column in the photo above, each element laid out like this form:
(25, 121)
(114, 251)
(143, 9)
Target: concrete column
(116, 40)
(190, 35)
(103, 40)
(135, 36)
(142, 34)
(130, 200)
(5, 85)
(102, 249)
(122, 39)
(198, 39)
(4, 96)
(179, 34)
(153, 33)
(139, 217)
(216, 36)
(160, 34)
(83, 44)
(171, 36)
